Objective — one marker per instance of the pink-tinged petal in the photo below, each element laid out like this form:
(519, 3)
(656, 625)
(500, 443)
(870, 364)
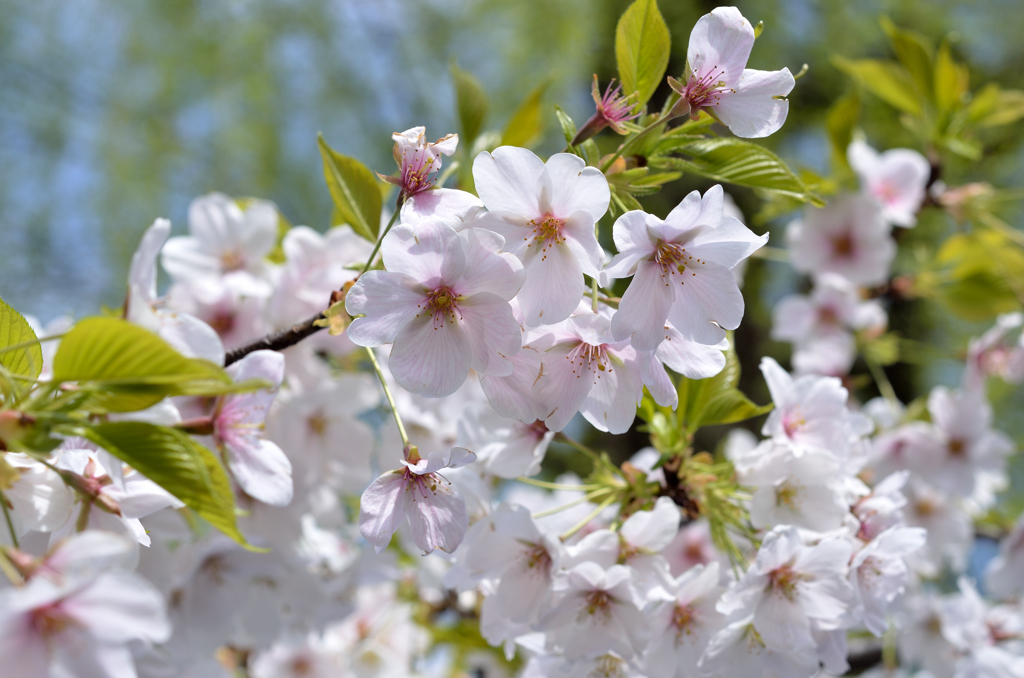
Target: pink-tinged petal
(863, 159)
(494, 334)
(630, 234)
(579, 237)
(142, 274)
(576, 188)
(514, 228)
(689, 358)
(708, 302)
(88, 553)
(258, 232)
(382, 509)
(782, 623)
(458, 457)
(682, 218)
(553, 286)
(506, 180)
(512, 396)
(644, 308)
(432, 356)
(563, 385)
(489, 270)
(780, 383)
(753, 111)
(120, 606)
(262, 471)
(615, 392)
(23, 651)
(216, 220)
(265, 365)
(793, 318)
(187, 258)
(437, 516)
(658, 382)
(389, 301)
(655, 529)
(729, 244)
(452, 206)
(420, 252)
(720, 45)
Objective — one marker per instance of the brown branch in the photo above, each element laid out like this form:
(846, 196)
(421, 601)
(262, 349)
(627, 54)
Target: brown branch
(278, 341)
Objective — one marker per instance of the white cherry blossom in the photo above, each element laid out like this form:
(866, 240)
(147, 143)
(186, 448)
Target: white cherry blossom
(682, 627)
(896, 178)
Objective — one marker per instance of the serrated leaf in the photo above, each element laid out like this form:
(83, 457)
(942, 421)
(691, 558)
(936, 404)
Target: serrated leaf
(885, 79)
(527, 123)
(736, 161)
(471, 103)
(175, 462)
(27, 358)
(642, 46)
(130, 367)
(353, 188)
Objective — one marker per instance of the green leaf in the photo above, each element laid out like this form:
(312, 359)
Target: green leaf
(354, 190)
(642, 46)
(130, 367)
(978, 275)
(840, 121)
(568, 126)
(736, 161)
(729, 407)
(885, 79)
(1008, 108)
(175, 462)
(471, 102)
(20, 352)
(527, 123)
(951, 79)
(915, 53)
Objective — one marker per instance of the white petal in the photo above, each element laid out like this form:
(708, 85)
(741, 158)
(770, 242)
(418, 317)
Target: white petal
(142, 274)
(720, 44)
(553, 285)
(389, 301)
(752, 111)
(119, 607)
(264, 472)
(500, 274)
(644, 308)
(708, 293)
(419, 253)
(506, 180)
(382, 509)
(432, 356)
(437, 517)
(494, 335)
(576, 187)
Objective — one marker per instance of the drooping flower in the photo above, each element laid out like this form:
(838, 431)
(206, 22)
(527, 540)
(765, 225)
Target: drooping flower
(681, 270)
(613, 109)
(259, 466)
(750, 103)
(443, 302)
(227, 247)
(546, 213)
(585, 370)
(420, 494)
(896, 178)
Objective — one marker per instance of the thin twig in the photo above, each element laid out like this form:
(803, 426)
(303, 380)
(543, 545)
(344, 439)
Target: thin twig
(387, 394)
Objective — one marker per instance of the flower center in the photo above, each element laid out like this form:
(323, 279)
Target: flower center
(418, 171)
(842, 245)
(957, 448)
(784, 580)
(442, 303)
(828, 316)
(538, 559)
(231, 261)
(598, 603)
(317, 423)
(49, 620)
(705, 91)
(589, 358)
(673, 260)
(684, 619)
(792, 422)
(547, 231)
(787, 494)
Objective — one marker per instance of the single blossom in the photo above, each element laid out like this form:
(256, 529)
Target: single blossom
(682, 627)
(834, 305)
(750, 103)
(505, 447)
(995, 353)
(878, 573)
(681, 270)
(259, 466)
(897, 179)
(443, 302)
(227, 247)
(546, 213)
(613, 109)
(847, 237)
(436, 512)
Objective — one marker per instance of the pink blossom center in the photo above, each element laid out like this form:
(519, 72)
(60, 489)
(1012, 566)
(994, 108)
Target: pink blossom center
(231, 261)
(792, 422)
(589, 358)
(597, 603)
(673, 260)
(547, 232)
(49, 620)
(423, 486)
(784, 580)
(843, 245)
(705, 91)
(684, 620)
(538, 560)
(442, 303)
(885, 192)
(418, 170)
(613, 108)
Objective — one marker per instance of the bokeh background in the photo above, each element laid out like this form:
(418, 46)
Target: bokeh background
(113, 113)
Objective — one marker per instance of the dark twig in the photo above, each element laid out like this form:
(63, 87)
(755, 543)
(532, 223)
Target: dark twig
(278, 341)
(864, 660)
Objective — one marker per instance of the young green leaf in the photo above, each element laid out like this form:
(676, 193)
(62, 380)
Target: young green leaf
(354, 190)
(175, 462)
(885, 79)
(130, 367)
(471, 102)
(20, 352)
(915, 53)
(736, 161)
(642, 46)
(951, 79)
(568, 126)
(527, 123)
(840, 121)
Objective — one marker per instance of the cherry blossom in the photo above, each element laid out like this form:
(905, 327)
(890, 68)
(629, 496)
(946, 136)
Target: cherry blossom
(546, 212)
(681, 271)
(682, 627)
(896, 178)
(847, 237)
(750, 103)
(443, 302)
(420, 494)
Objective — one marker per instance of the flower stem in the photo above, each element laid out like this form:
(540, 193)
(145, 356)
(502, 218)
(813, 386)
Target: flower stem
(8, 568)
(387, 394)
(556, 486)
(10, 523)
(33, 342)
(592, 495)
(882, 381)
(387, 229)
(583, 523)
(628, 143)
